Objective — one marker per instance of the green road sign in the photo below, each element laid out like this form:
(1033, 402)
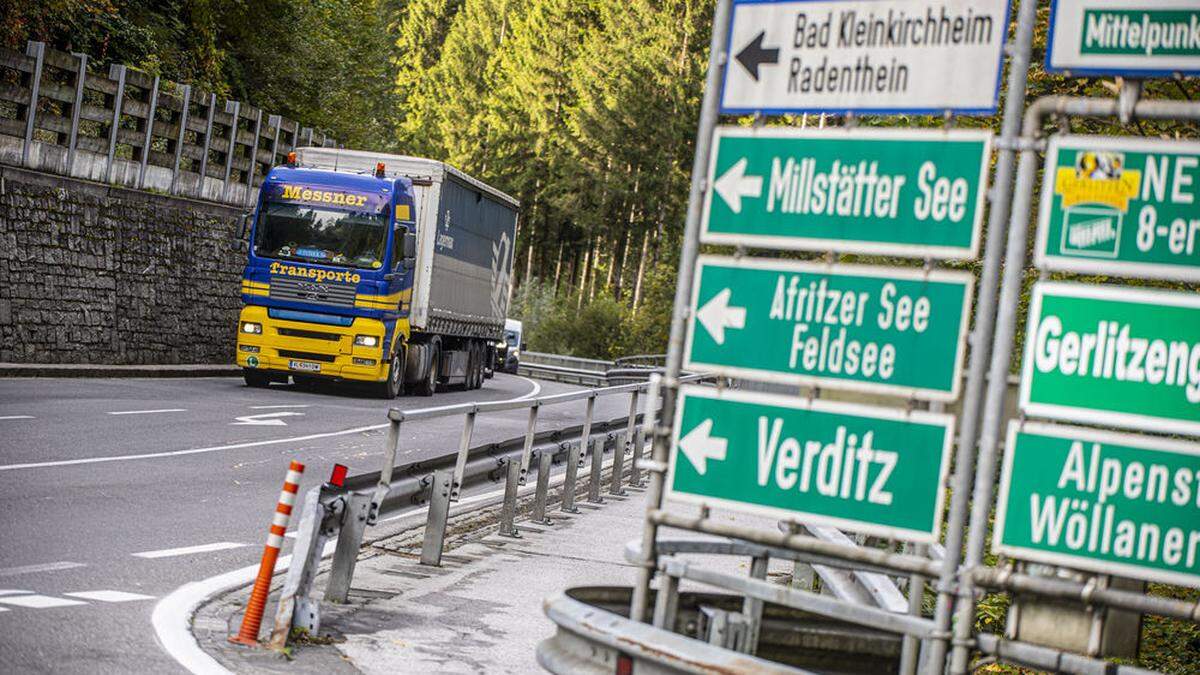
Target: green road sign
(1110, 503)
(901, 192)
(874, 329)
(875, 470)
(1113, 355)
(1126, 206)
(1134, 38)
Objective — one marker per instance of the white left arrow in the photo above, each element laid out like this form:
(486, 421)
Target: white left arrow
(700, 445)
(266, 419)
(716, 315)
(735, 184)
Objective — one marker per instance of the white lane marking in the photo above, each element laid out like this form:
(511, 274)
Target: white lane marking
(266, 419)
(189, 550)
(109, 596)
(172, 615)
(47, 567)
(3, 609)
(17, 417)
(272, 407)
(39, 601)
(537, 388)
(10, 591)
(147, 412)
(220, 448)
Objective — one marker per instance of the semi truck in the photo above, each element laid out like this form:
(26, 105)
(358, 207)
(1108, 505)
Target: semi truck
(382, 269)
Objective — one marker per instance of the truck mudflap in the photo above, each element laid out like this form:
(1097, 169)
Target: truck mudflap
(281, 347)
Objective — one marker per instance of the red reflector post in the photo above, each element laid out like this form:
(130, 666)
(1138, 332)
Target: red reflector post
(624, 664)
(338, 477)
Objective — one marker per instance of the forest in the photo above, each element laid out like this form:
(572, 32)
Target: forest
(585, 110)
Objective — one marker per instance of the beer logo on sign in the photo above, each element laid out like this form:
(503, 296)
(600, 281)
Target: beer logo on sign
(1095, 196)
(1098, 178)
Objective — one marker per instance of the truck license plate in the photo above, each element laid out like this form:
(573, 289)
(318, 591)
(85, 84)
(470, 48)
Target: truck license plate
(305, 365)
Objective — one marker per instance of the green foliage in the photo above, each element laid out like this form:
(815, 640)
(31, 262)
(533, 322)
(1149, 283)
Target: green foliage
(326, 63)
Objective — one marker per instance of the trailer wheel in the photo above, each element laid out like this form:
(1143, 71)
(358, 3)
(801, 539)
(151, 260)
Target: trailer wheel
(428, 385)
(476, 366)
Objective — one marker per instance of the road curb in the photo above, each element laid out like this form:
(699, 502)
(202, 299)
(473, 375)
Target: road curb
(101, 370)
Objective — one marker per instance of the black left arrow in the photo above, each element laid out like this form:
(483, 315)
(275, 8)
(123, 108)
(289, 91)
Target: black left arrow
(753, 55)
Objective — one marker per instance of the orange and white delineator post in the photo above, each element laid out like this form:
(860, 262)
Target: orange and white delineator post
(252, 620)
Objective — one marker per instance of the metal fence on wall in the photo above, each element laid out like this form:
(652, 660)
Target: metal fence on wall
(130, 128)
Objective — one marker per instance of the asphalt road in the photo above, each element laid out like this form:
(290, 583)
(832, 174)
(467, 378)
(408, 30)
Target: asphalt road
(114, 492)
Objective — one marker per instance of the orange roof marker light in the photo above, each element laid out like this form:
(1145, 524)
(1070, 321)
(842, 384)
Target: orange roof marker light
(291, 158)
(379, 170)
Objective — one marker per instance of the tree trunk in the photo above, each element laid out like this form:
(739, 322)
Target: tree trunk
(641, 272)
(583, 277)
(557, 267)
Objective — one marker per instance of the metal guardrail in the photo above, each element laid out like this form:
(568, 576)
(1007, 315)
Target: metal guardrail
(563, 361)
(342, 514)
(581, 376)
(132, 128)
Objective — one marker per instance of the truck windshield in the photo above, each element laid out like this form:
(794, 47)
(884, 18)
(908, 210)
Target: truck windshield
(313, 234)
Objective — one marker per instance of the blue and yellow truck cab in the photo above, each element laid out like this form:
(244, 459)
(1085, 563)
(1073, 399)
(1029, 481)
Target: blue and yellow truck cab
(343, 273)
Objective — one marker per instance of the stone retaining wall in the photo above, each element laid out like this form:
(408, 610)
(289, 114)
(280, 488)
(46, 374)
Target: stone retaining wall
(91, 273)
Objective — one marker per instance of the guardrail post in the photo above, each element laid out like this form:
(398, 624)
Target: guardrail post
(594, 477)
(530, 430)
(389, 465)
(148, 140)
(573, 461)
(753, 607)
(345, 557)
(297, 607)
(435, 524)
(185, 111)
(115, 72)
(586, 434)
(38, 51)
(508, 511)
(639, 445)
(633, 409)
(666, 604)
(618, 466)
(464, 445)
(545, 458)
(76, 108)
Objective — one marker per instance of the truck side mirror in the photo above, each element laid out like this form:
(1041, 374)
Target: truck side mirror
(241, 244)
(245, 221)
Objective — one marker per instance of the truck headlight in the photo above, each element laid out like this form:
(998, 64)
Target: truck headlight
(251, 327)
(366, 341)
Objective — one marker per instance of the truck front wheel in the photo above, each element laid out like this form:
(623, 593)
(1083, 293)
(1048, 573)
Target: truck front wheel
(390, 388)
(255, 378)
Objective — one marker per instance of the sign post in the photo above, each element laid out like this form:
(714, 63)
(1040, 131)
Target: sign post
(871, 56)
(899, 192)
(873, 470)
(1134, 38)
(1110, 503)
(1121, 206)
(874, 329)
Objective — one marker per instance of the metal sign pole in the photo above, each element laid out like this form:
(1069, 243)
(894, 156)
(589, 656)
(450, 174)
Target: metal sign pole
(1006, 323)
(717, 56)
(981, 336)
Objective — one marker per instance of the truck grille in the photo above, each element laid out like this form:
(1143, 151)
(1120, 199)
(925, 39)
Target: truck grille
(307, 356)
(299, 290)
(310, 334)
